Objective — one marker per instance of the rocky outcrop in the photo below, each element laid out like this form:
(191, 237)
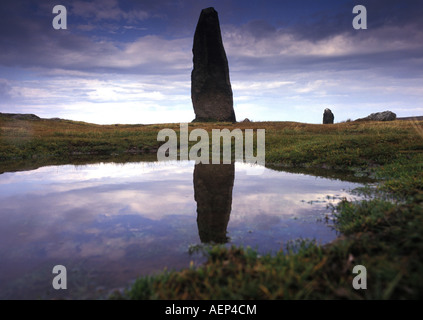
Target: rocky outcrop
(21, 116)
(211, 91)
(380, 116)
(213, 184)
(328, 116)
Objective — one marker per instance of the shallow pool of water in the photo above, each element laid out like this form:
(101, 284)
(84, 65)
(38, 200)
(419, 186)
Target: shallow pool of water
(109, 223)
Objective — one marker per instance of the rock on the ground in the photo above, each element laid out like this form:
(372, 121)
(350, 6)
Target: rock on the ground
(380, 116)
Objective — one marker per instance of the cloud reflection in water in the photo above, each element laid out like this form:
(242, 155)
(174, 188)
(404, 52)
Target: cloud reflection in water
(113, 222)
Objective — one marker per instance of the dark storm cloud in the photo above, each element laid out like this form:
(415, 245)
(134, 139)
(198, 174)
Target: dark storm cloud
(95, 40)
(28, 40)
(327, 41)
(105, 10)
(394, 12)
(338, 19)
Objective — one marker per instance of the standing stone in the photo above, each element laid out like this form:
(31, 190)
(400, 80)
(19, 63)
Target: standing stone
(211, 90)
(328, 117)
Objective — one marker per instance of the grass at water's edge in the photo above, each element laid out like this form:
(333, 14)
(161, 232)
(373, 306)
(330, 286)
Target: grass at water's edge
(383, 234)
(358, 146)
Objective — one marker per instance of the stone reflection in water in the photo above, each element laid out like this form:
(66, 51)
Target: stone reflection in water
(213, 184)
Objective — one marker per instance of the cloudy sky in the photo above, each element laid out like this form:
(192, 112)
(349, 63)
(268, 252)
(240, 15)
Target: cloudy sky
(130, 61)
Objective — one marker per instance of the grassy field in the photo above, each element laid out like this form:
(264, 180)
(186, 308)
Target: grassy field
(384, 233)
(352, 146)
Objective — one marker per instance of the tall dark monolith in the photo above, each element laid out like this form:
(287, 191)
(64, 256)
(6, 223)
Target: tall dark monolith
(211, 90)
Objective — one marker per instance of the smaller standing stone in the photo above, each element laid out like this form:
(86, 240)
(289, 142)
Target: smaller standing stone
(328, 117)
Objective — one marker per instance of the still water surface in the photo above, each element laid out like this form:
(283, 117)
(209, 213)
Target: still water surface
(109, 223)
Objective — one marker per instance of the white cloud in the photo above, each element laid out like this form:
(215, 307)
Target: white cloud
(260, 85)
(153, 50)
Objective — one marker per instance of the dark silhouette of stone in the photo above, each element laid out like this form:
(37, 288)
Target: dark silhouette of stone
(211, 91)
(380, 116)
(213, 184)
(328, 117)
